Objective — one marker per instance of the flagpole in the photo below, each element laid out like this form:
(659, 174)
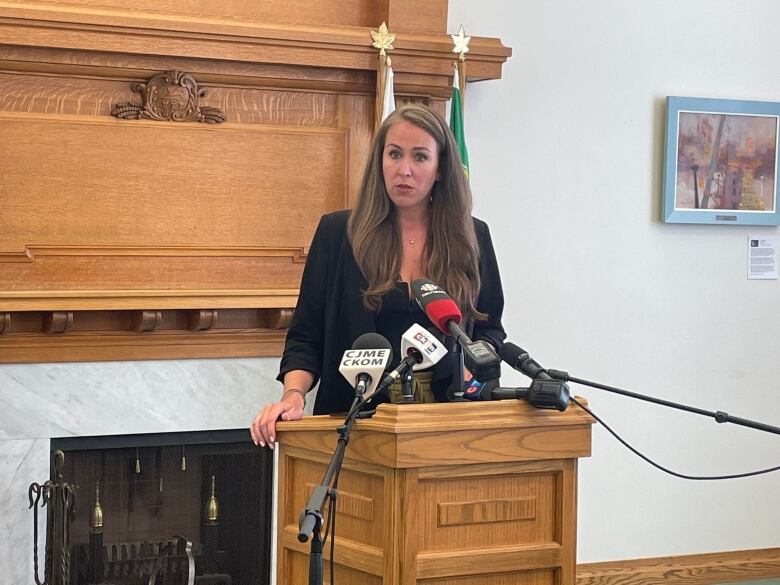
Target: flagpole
(381, 39)
(460, 65)
(461, 47)
(381, 73)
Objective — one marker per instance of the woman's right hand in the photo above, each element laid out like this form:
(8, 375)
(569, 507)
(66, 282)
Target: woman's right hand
(263, 427)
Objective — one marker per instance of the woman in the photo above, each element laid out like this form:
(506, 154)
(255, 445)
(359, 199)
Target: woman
(412, 220)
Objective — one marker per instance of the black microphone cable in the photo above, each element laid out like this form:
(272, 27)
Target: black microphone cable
(641, 455)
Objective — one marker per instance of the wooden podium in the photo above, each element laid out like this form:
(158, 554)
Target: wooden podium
(439, 494)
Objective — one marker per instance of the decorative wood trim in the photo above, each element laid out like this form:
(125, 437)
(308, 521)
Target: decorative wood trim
(279, 318)
(129, 335)
(304, 45)
(89, 347)
(146, 299)
(701, 569)
(31, 252)
(172, 96)
(5, 322)
(202, 320)
(145, 321)
(486, 511)
(58, 321)
(438, 565)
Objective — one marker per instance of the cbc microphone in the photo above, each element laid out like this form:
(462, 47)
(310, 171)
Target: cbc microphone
(438, 306)
(421, 349)
(364, 364)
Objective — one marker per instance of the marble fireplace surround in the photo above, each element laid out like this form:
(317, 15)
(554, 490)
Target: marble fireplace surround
(42, 401)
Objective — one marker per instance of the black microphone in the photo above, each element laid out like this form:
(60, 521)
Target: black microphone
(413, 358)
(547, 394)
(519, 359)
(438, 306)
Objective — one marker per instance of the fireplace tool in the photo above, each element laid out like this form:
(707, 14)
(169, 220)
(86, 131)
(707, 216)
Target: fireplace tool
(60, 497)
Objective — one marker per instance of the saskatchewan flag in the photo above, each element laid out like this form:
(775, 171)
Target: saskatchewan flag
(456, 123)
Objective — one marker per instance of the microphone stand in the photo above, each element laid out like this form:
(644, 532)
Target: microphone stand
(407, 390)
(719, 416)
(311, 519)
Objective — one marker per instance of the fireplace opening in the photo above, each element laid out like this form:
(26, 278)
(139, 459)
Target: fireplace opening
(168, 508)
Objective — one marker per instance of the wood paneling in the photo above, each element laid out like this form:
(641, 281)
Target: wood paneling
(152, 184)
(703, 569)
(100, 214)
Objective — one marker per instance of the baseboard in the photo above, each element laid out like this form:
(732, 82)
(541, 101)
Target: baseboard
(702, 569)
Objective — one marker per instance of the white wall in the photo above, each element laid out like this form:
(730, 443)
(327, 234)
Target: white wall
(566, 154)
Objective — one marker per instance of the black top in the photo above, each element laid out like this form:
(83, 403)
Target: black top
(330, 313)
(397, 313)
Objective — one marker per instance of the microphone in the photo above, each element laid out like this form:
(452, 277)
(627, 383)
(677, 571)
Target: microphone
(422, 351)
(418, 338)
(364, 364)
(546, 394)
(438, 306)
(519, 360)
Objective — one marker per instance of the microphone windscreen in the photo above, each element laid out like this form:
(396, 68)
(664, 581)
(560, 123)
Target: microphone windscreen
(511, 353)
(373, 341)
(437, 305)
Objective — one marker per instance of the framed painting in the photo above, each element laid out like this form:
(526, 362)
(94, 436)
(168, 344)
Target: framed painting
(720, 162)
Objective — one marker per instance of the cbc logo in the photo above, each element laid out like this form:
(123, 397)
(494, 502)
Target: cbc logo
(429, 287)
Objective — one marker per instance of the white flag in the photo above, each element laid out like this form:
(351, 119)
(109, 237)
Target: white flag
(388, 103)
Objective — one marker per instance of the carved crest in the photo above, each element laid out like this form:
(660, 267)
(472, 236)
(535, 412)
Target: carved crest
(170, 96)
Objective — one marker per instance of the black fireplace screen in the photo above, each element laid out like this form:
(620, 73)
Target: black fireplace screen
(186, 507)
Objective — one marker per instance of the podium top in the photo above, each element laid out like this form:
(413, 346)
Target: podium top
(416, 435)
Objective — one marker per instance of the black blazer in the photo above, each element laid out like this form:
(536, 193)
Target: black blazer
(330, 313)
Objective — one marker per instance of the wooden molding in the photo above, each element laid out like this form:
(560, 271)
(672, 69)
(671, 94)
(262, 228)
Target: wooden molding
(81, 300)
(29, 336)
(343, 47)
(145, 321)
(58, 321)
(701, 569)
(5, 322)
(202, 320)
(31, 252)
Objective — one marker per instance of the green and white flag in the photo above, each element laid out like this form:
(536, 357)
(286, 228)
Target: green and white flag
(456, 123)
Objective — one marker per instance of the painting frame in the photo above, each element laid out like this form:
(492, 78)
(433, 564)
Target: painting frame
(738, 184)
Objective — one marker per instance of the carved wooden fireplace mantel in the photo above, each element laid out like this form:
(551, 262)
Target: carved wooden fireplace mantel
(156, 238)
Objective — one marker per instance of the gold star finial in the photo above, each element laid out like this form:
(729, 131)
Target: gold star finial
(382, 40)
(461, 42)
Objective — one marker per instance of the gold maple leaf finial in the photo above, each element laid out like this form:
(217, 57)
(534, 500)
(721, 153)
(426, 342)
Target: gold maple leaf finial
(461, 42)
(382, 39)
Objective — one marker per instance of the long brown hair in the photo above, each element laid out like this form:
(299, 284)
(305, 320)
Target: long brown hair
(452, 255)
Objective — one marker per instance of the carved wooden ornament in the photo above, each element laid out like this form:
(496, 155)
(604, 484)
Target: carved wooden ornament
(171, 96)
(58, 321)
(5, 322)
